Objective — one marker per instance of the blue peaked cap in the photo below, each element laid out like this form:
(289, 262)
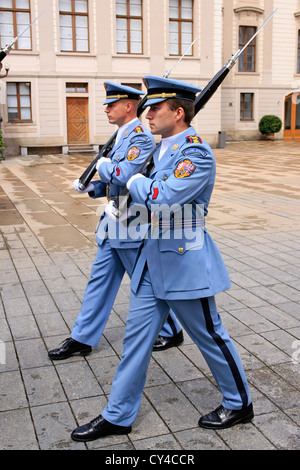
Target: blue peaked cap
(115, 92)
(161, 89)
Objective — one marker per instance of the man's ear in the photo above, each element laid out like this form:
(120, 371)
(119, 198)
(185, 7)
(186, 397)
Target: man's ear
(180, 114)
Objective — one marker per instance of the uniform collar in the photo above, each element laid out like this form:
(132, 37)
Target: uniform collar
(175, 144)
(121, 131)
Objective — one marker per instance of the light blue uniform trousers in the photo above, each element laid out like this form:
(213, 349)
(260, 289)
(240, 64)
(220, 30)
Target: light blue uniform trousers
(106, 275)
(203, 324)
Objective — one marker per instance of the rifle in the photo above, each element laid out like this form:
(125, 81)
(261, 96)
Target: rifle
(88, 174)
(9, 46)
(121, 204)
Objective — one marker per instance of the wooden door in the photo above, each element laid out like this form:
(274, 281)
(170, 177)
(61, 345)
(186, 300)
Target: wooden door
(78, 120)
(292, 117)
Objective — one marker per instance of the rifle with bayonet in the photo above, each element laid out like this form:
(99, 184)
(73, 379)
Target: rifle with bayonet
(121, 204)
(88, 174)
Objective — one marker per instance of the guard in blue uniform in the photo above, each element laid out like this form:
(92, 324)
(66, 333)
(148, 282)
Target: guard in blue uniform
(179, 267)
(114, 254)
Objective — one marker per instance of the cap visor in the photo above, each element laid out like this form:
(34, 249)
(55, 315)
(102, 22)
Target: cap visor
(110, 100)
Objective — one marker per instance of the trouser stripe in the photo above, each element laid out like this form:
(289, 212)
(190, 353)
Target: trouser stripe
(227, 354)
(172, 325)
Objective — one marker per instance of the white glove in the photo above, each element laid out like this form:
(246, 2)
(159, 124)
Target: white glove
(111, 211)
(102, 160)
(138, 175)
(90, 187)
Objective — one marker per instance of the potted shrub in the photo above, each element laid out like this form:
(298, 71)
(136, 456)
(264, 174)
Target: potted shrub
(2, 146)
(269, 125)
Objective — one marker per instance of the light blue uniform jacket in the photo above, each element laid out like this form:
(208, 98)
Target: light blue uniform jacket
(180, 267)
(114, 255)
(127, 156)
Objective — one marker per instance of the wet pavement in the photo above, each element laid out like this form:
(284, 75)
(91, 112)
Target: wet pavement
(47, 246)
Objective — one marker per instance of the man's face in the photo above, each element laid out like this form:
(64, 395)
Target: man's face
(117, 112)
(161, 119)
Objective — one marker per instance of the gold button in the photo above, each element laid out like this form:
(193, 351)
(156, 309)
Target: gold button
(165, 178)
(181, 250)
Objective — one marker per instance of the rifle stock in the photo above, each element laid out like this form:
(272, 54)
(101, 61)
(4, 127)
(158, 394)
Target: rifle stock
(89, 173)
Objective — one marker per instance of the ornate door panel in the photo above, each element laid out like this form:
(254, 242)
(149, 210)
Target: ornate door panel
(77, 120)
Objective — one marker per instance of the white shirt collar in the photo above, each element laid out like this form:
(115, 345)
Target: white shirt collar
(166, 142)
(122, 129)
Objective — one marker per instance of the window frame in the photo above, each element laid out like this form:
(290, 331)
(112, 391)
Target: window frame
(180, 21)
(128, 18)
(14, 11)
(19, 119)
(242, 107)
(73, 15)
(247, 50)
(77, 86)
(298, 53)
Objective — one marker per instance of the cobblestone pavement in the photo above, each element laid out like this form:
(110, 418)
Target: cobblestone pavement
(47, 245)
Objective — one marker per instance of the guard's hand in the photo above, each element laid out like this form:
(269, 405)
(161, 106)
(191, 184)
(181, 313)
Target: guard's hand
(102, 160)
(90, 187)
(111, 211)
(137, 175)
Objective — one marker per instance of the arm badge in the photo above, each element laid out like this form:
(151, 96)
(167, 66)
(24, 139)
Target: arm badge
(184, 169)
(133, 153)
(138, 129)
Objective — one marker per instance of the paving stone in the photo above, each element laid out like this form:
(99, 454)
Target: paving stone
(12, 391)
(17, 430)
(279, 429)
(37, 382)
(198, 439)
(78, 380)
(54, 424)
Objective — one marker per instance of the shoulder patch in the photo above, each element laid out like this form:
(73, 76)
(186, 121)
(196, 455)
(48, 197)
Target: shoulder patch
(139, 138)
(138, 129)
(194, 151)
(194, 139)
(133, 153)
(184, 169)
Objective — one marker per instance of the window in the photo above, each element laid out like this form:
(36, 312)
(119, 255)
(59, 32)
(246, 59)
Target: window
(298, 56)
(246, 106)
(14, 18)
(137, 86)
(297, 104)
(180, 26)
(19, 101)
(76, 87)
(74, 31)
(129, 26)
(247, 59)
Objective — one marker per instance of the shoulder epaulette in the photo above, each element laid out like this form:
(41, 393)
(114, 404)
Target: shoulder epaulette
(194, 139)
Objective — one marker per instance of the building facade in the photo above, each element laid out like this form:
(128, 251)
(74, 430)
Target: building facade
(53, 93)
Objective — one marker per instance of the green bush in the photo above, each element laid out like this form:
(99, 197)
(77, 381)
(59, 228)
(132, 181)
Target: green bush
(2, 146)
(270, 124)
